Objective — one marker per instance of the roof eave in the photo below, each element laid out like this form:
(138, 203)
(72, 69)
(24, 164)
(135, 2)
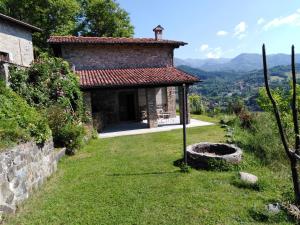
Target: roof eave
(21, 23)
(137, 85)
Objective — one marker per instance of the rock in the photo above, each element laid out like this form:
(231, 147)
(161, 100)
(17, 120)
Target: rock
(273, 208)
(248, 178)
(6, 209)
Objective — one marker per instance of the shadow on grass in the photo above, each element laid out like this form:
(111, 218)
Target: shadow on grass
(209, 165)
(141, 174)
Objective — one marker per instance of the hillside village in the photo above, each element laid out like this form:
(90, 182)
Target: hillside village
(99, 126)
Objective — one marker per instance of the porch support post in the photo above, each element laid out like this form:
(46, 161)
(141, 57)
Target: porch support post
(188, 113)
(180, 98)
(184, 116)
(151, 107)
(171, 101)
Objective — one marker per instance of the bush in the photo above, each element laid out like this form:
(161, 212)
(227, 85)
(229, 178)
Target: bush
(66, 132)
(18, 121)
(49, 81)
(71, 136)
(262, 139)
(53, 88)
(196, 104)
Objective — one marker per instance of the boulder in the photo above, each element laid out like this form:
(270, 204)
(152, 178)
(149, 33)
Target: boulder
(273, 208)
(248, 178)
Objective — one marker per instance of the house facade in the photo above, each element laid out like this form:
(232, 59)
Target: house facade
(15, 43)
(125, 79)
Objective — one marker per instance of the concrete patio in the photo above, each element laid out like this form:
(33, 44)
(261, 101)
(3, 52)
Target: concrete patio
(133, 128)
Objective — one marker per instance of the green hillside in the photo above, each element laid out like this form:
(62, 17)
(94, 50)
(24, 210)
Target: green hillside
(219, 88)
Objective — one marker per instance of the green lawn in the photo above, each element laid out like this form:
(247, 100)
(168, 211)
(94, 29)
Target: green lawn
(132, 180)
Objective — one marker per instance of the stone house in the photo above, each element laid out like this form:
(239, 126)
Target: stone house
(125, 79)
(15, 43)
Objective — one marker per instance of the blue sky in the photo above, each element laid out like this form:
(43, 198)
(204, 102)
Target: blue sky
(219, 28)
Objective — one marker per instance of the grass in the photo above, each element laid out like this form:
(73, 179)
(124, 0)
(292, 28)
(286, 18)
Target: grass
(206, 118)
(132, 180)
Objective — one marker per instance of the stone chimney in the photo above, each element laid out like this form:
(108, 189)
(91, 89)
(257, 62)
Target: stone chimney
(158, 32)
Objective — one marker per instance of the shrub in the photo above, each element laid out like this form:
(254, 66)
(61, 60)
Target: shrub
(53, 88)
(49, 81)
(262, 139)
(71, 136)
(196, 104)
(66, 132)
(18, 121)
(246, 119)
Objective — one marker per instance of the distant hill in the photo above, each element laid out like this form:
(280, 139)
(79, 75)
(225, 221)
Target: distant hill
(244, 62)
(221, 87)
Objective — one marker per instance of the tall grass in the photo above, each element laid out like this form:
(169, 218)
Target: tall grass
(261, 138)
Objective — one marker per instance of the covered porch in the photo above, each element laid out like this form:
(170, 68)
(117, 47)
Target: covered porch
(146, 98)
(133, 128)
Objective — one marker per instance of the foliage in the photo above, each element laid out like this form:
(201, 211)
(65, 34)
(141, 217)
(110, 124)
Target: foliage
(52, 87)
(66, 132)
(262, 139)
(70, 17)
(18, 121)
(222, 88)
(196, 104)
(283, 101)
(54, 17)
(49, 81)
(104, 18)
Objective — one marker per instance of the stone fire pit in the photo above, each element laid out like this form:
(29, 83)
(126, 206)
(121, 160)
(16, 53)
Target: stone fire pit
(204, 151)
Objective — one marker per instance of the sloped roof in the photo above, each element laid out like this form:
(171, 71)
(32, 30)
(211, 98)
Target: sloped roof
(134, 77)
(110, 40)
(20, 23)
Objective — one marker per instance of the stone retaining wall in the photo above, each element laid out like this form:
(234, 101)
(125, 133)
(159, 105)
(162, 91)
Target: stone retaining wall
(23, 169)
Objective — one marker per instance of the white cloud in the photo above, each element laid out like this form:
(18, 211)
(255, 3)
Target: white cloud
(260, 21)
(203, 47)
(222, 33)
(240, 29)
(214, 53)
(292, 19)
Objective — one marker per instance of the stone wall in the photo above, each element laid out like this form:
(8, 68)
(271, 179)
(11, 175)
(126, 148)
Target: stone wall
(105, 104)
(113, 57)
(17, 42)
(23, 169)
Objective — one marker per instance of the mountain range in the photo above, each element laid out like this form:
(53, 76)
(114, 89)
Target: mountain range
(244, 62)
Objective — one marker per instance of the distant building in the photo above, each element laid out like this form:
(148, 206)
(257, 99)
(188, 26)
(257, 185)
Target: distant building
(125, 79)
(15, 43)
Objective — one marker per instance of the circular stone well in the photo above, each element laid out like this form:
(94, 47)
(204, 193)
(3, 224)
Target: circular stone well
(204, 151)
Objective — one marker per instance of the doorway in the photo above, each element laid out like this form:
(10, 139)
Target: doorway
(127, 106)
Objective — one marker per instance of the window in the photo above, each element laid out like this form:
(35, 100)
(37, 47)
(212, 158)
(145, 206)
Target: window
(4, 56)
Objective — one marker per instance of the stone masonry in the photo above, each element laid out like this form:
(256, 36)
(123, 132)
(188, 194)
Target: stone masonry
(23, 169)
(171, 101)
(17, 42)
(151, 107)
(112, 57)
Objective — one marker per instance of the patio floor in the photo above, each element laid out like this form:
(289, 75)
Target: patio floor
(133, 128)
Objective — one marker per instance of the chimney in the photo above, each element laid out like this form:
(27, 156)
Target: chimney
(158, 32)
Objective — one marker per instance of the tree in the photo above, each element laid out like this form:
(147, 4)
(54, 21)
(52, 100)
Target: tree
(53, 17)
(104, 18)
(293, 154)
(70, 17)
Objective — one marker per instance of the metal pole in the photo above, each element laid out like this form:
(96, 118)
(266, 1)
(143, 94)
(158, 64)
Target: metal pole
(184, 122)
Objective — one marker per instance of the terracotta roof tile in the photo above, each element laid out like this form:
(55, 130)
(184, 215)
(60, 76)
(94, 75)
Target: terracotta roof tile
(134, 77)
(110, 40)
